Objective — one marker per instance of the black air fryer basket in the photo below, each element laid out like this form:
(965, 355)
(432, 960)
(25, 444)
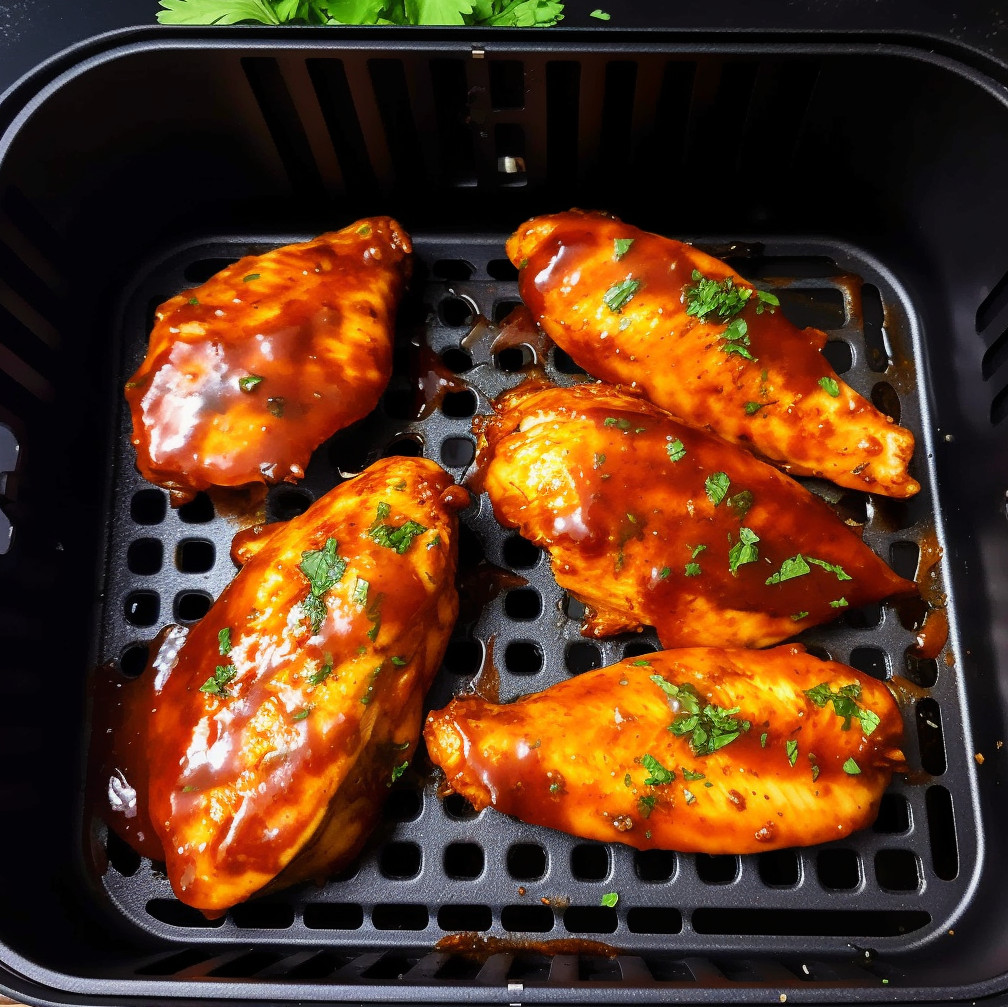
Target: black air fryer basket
(864, 183)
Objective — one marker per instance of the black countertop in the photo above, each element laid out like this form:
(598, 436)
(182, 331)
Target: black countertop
(31, 31)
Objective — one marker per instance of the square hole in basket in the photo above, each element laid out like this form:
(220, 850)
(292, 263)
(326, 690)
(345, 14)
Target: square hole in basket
(526, 861)
(194, 555)
(464, 917)
(520, 553)
(148, 507)
(582, 656)
(523, 604)
(523, 657)
(403, 805)
(400, 916)
(898, 870)
(145, 556)
(894, 815)
(199, 510)
(590, 862)
(590, 920)
(654, 865)
(463, 861)
(333, 916)
(463, 656)
(780, 868)
(718, 868)
(528, 919)
(838, 869)
(400, 861)
(191, 606)
(142, 608)
(654, 920)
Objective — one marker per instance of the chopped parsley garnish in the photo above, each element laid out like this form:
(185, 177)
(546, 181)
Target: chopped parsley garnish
(751, 408)
(610, 898)
(217, 685)
(364, 230)
(194, 301)
(250, 277)
(224, 641)
(790, 568)
(612, 421)
(302, 714)
(762, 739)
(360, 591)
(645, 805)
(851, 768)
(664, 572)
(599, 461)
(434, 542)
(714, 297)
(619, 294)
(276, 404)
(555, 787)
(839, 603)
(676, 451)
(642, 662)
(601, 15)
(835, 568)
(845, 704)
(741, 503)
(696, 550)
(744, 550)
(399, 662)
(374, 615)
(318, 677)
(658, 773)
(689, 775)
(400, 486)
(815, 767)
(766, 302)
(716, 486)
(621, 246)
(369, 692)
(710, 727)
(736, 340)
(830, 386)
(627, 781)
(798, 616)
(397, 771)
(792, 751)
(397, 539)
(692, 570)
(247, 383)
(324, 569)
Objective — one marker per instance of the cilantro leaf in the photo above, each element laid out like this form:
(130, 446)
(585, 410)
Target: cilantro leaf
(601, 15)
(709, 728)
(845, 704)
(217, 685)
(792, 751)
(398, 539)
(658, 773)
(620, 245)
(676, 451)
(851, 768)
(716, 486)
(830, 386)
(692, 570)
(714, 297)
(835, 568)
(224, 641)
(318, 677)
(798, 616)
(839, 603)
(216, 12)
(609, 899)
(790, 568)
(741, 503)
(618, 295)
(645, 805)
(744, 550)
(689, 775)
(324, 568)
(766, 302)
(249, 381)
(360, 591)
(736, 340)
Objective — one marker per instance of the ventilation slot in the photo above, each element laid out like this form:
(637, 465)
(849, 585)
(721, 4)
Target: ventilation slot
(615, 160)
(941, 830)
(563, 81)
(282, 120)
(873, 318)
(393, 97)
(995, 356)
(808, 922)
(993, 304)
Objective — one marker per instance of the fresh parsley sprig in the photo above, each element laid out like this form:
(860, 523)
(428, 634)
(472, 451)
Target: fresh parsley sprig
(845, 704)
(324, 568)
(710, 727)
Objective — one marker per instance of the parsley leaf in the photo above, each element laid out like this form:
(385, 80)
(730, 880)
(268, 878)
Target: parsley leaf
(397, 771)
(790, 568)
(839, 603)
(318, 677)
(841, 573)
(798, 616)
(741, 503)
(664, 572)
(714, 297)
(247, 383)
(610, 898)
(845, 704)
(217, 685)
(250, 277)
(692, 570)
(736, 339)
(792, 751)
(676, 451)
(689, 775)
(599, 461)
(709, 728)
(224, 641)
(851, 768)
(645, 805)
(751, 408)
(302, 714)
(766, 302)
(618, 295)
(641, 662)
(397, 539)
(744, 550)
(324, 569)
(716, 486)
(601, 15)
(658, 773)
(620, 245)
(360, 591)
(830, 386)
(762, 739)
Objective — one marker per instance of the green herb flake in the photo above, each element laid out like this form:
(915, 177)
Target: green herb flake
(642, 662)
(798, 616)
(194, 301)
(189, 788)
(250, 277)
(845, 704)
(645, 805)
(302, 714)
(599, 461)
(318, 677)
(792, 751)
(627, 782)
(795, 566)
(833, 568)
(815, 769)
(323, 568)
(762, 739)
(399, 662)
(369, 693)
(276, 404)
(716, 486)
(830, 386)
(364, 230)
(397, 771)
(247, 383)
(664, 572)
(744, 551)
(766, 302)
(696, 550)
(709, 727)
(610, 898)
(714, 297)
(620, 245)
(839, 603)
(434, 542)
(692, 570)
(217, 685)
(691, 776)
(708, 784)
(741, 503)
(601, 15)
(751, 408)
(658, 774)
(554, 788)
(676, 451)
(851, 768)
(224, 641)
(400, 486)
(398, 539)
(618, 295)
(360, 591)
(736, 340)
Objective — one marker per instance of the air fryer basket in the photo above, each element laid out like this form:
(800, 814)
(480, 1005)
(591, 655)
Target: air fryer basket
(865, 186)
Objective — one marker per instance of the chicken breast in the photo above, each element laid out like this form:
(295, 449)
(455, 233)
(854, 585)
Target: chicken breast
(248, 373)
(297, 699)
(702, 751)
(650, 522)
(638, 309)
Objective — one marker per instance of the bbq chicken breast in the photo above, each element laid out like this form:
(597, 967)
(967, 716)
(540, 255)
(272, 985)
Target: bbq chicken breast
(274, 731)
(641, 310)
(248, 373)
(702, 751)
(650, 522)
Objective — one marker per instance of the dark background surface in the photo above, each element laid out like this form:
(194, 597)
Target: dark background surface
(33, 30)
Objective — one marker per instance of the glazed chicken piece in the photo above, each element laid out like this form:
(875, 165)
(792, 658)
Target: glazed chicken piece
(638, 309)
(273, 735)
(701, 750)
(247, 374)
(650, 522)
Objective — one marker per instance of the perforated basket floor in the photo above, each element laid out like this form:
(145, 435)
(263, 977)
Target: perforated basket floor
(434, 867)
